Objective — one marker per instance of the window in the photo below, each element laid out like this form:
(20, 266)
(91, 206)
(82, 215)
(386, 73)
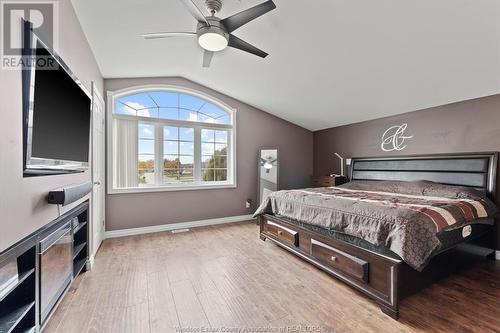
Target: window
(214, 155)
(169, 138)
(178, 155)
(146, 156)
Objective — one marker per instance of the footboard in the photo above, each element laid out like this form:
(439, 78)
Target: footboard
(373, 274)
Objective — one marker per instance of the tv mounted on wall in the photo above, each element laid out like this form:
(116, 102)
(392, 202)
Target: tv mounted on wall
(56, 112)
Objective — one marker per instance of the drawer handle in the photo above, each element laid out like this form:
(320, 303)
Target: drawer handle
(278, 226)
(333, 258)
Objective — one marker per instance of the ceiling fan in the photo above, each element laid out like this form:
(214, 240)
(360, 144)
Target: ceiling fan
(215, 34)
(268, 163)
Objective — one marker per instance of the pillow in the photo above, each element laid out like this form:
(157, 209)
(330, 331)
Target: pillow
(420, 187)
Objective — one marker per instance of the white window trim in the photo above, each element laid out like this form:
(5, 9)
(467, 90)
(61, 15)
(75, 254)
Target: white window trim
(111, 98)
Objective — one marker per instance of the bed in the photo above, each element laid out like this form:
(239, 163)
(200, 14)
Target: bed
(398, 225)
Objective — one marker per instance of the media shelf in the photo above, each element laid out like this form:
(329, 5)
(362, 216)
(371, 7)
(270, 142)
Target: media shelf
(27, 330)
(78, 266)
(79, 248)
(80, 243)
(23, 265)
(18, 299)
(26, 324)
(13, 316)
(80, 225)
(20, 280)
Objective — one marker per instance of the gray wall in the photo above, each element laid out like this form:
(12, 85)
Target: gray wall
(255, 129)
(469, 126)
(23, 205)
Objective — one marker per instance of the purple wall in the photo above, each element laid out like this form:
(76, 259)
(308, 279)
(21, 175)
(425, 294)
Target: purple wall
(470, 126)
(255, 129)
(23, 202)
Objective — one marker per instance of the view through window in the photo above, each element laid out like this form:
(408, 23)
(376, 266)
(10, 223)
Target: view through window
(182, 140)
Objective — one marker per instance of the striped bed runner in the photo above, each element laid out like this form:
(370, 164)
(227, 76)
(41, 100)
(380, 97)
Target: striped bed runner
(444, 212)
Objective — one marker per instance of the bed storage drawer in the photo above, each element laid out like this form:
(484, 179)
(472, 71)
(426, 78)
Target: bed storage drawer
(339, 260)
(282, 233)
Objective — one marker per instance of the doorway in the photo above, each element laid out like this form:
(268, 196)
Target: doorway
(98, 171)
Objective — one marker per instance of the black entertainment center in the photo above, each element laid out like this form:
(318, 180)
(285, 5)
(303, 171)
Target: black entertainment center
(38, 273)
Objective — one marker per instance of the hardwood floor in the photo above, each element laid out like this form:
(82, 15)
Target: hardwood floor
(226, 277)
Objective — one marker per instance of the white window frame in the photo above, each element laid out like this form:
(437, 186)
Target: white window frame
(112, 96)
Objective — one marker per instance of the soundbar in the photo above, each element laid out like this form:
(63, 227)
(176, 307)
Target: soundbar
(68, 194)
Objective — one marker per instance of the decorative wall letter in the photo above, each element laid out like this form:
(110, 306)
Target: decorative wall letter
(394, 138)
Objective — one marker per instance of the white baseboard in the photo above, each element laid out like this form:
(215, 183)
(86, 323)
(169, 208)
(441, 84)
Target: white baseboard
(90, 263)
(497, 255)
(174, 226)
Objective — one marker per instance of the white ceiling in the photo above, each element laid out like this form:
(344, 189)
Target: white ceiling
(331, 62)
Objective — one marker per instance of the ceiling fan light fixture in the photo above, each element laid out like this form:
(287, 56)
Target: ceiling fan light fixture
(267, 165)
(212, 41)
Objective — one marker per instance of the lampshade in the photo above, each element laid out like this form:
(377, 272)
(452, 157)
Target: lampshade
(341, 163)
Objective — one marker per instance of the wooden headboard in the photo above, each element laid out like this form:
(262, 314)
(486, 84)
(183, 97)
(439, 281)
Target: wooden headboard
(476, 170)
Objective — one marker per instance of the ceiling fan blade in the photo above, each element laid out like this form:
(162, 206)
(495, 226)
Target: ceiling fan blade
(207, 58)
(155, 35)
(237, 20)
(240, 44)
(195, 11)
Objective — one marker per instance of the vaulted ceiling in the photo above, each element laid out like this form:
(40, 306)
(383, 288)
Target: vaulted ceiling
(331, 62)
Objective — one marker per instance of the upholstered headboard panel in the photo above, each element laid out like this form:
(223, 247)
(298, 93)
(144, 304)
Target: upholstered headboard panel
(476, 170)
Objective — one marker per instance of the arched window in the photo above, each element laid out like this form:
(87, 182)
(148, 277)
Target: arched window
(166, 138)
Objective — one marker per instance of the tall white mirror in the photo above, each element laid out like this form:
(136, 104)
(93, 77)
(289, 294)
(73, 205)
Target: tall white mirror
(268, 172)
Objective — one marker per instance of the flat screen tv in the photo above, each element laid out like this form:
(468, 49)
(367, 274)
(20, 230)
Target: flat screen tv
(56, 112)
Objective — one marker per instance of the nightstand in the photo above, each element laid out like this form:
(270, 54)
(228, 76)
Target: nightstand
(326, 181)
